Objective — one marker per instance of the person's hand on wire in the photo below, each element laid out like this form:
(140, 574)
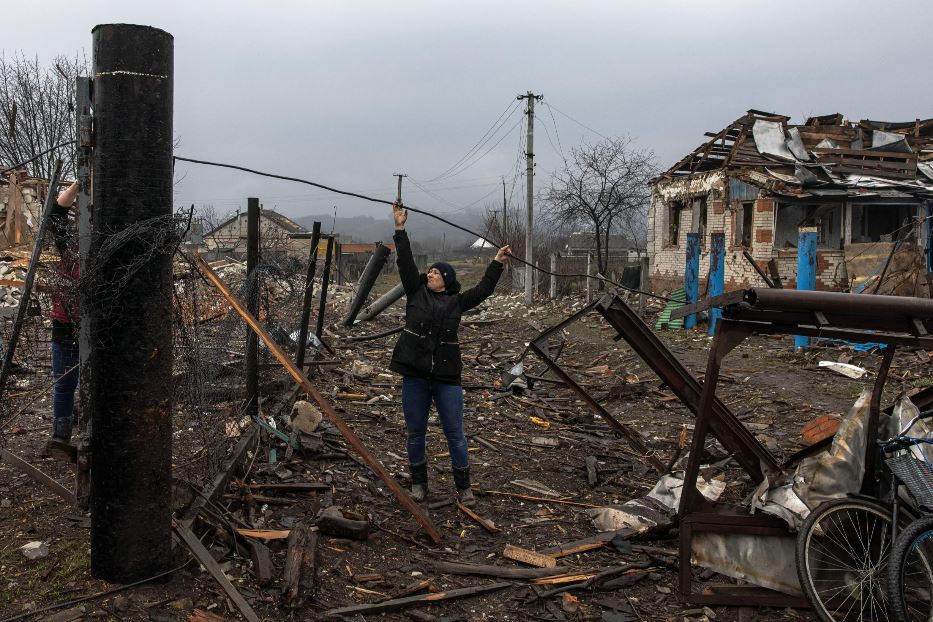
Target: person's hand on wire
(400, 214)
(504, 253)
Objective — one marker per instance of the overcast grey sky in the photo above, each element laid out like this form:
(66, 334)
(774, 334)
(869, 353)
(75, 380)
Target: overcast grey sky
(348, 93)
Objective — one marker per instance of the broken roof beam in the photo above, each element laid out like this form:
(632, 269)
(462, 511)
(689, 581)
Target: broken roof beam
(348, 434)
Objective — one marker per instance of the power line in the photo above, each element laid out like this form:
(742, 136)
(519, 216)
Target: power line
(417, 211)
(450, 172)
(583, 125)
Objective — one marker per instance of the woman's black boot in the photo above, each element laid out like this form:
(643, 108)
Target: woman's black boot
(462, 482)
(419, 481)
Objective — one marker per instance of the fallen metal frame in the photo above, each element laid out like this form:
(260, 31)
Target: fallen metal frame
(892, 320)
(734, 436)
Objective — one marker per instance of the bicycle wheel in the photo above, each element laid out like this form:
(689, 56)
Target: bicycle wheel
(910, 573)
(842, 554)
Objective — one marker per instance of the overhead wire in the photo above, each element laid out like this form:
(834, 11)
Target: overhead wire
(580, 123)
(36, 157)
(417, 211)
(510, 109)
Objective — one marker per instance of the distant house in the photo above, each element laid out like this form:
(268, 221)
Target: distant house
(582, 243)
(865, 187)
(279, 235)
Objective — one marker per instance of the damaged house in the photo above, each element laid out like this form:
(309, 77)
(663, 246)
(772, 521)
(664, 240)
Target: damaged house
(281, 236)
(866, 187)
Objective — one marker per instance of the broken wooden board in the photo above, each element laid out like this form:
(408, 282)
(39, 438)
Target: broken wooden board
(485, 523)
(264, 534)
(37, 476)
(210, 565)
(531, 558)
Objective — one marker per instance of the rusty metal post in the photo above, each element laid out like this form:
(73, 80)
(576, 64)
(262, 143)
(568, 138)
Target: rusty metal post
(130, 313)
(325, 278)
(252, 304)
(309, 294)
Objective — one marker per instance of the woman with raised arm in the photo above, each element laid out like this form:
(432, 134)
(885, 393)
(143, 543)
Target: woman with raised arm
(427, 355)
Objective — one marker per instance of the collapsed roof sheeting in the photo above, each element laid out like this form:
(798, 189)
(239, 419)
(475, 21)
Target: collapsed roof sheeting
(826, 152)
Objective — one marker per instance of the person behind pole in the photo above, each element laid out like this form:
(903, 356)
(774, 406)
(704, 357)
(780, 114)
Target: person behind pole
(427, 355)
(64, 315)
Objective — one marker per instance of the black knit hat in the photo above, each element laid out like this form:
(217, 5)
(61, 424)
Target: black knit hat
(447, 271)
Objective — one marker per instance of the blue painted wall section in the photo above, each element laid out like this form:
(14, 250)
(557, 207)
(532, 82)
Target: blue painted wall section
(806, 270)
(717, 274)
(692, 276)
(929, 236)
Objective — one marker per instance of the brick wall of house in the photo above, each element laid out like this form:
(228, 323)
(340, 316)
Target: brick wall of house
(667, 261)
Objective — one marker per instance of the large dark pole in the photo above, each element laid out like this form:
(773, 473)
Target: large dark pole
(309, 293)
(252, 305)
(375, 265)
(319, 329)
(130, 311)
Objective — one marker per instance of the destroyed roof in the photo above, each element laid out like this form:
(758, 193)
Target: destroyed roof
(827, 152)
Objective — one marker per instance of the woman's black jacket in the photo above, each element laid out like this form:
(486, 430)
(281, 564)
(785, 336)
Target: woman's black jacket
(428, 346)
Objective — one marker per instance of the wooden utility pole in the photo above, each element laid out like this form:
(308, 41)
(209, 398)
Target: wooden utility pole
(529, 198)
(130, 315)
(398, 195)
(505, 217)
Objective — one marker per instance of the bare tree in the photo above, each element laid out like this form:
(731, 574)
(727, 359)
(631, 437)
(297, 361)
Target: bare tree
(603, 187)
(37, 111)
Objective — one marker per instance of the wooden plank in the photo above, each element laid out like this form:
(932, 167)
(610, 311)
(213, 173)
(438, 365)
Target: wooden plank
(265, 534)
(37, 476)
(11, 283)
(485, 523)
(400, 493)
(220, 482)
(204, 558)
(400, 603)
(528, 557)
(587, 544)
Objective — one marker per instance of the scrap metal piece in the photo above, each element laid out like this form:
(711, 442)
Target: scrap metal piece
(37, 476)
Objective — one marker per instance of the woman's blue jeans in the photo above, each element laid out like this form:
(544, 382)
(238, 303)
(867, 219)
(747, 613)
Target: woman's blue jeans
(417, 394)
(65, 373)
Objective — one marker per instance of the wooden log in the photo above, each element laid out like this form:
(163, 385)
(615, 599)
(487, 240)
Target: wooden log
(400, 603)
(210, 565)
(528, 557)
(333, 523)
(300, 577)
(371, 461)
(262, 563)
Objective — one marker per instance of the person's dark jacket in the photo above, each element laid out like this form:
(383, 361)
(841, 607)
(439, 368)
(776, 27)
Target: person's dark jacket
(429, 347)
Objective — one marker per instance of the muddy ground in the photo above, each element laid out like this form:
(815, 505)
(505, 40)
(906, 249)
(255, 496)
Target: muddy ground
(770, 388)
